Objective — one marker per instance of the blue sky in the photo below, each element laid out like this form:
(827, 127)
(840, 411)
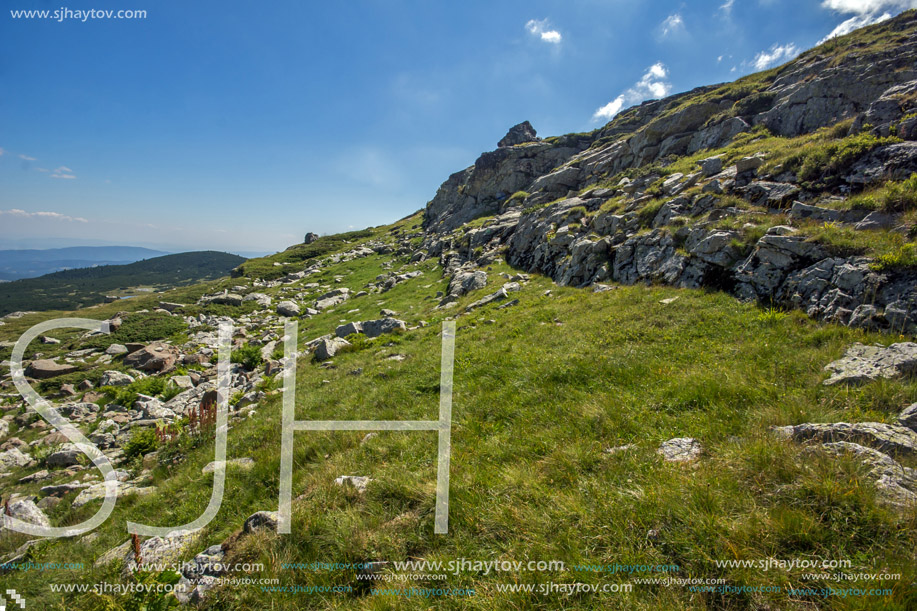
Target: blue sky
(242, 127)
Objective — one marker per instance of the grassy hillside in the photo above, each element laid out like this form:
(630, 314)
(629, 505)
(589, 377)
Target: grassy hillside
(76, 288)
(542, 390)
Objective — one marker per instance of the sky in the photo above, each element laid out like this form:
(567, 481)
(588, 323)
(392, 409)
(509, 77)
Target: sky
(240, 126)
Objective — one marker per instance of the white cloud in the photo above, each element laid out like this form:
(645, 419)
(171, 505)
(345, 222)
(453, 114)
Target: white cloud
(865, 12)
(777, 54)
(56, 216)
(854, 23)
(27, 158)
(539, 27)
(63, 172)
(868, 7)
(673, 25)
(652, 85)
(726, 7)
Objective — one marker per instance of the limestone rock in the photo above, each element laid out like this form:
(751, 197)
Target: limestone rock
(863, 363)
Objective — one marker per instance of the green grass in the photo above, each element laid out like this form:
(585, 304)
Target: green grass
(539, 394)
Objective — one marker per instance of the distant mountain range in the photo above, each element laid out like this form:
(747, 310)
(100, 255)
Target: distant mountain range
(19, 264)
(77, 288)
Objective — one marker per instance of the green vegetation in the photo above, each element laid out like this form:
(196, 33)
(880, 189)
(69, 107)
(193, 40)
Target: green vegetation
(77, 288)
(828, 159)
(892, 196)
(126, 396)
(140, 328)
(142, 441)
(248, 355)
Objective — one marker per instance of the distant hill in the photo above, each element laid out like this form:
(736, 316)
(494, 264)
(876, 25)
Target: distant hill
(19, 264)
(76, 288)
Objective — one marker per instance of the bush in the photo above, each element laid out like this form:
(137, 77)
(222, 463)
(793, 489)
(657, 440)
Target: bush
(248, 356)
(126, 396)
(902, 257)
(143, 441)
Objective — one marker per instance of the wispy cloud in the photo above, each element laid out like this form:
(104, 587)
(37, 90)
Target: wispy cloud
(653, 84)
(865, 12)
(55, 216)
(63, 172)
(777, 54)
(26, 157)
(541, 28)
(726, 7)
(1, 152)
(672, 26)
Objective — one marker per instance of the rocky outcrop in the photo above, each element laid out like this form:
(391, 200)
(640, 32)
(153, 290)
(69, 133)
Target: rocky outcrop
(518, 134)
(863, 363)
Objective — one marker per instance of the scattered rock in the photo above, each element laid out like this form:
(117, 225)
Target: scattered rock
(359, 482)
(680, 449)
(889, 438)
(261, 519)
(288, 309)
(863, 363)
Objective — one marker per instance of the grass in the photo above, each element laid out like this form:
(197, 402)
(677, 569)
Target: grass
(539, 393)
(892, 196)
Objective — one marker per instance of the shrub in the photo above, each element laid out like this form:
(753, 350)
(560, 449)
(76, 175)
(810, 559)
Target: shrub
(891, 197)
(126, 396)
(248, 356)
(143, 441)
(904, 256)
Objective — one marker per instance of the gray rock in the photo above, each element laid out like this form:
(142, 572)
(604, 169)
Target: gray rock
(116, 350)
(863, 363)
(97, 491)
(116, 378)
(711, 166)
(349, 329)
(498, 296)
(288, 309)
(908, 417)
(888, 438)
(328, 347)
(747, 164)
(375, 328)
(67, 456)
(895, 484)
(261, 519)
(680, 449)
(876, 220)
(13, 458)
(245, 464)
(465, 282)
(27, 511)
(359, 482)
(804, 211)
(518, 134)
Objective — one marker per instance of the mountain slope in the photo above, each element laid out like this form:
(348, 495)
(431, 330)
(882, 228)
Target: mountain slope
(19, 264)
(617, 413)
(77, 288)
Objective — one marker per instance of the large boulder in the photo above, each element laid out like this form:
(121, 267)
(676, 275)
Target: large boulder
(13, 458)
(375, 328)
(44, 369)
(156, 357)
(288, 309)
(27, 511)
(328, 347)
